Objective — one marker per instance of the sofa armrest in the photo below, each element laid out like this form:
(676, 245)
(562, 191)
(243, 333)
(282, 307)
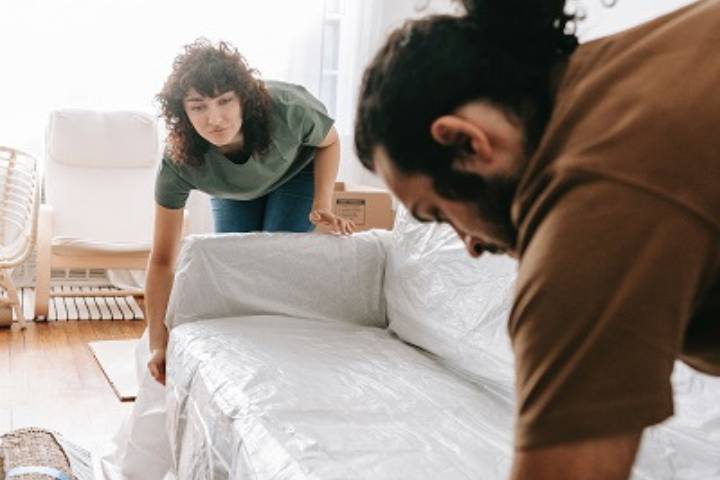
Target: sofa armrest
(313, 276)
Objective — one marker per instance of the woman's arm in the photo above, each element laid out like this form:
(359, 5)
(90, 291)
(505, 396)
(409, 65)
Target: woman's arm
(161, 268)
(327, 161)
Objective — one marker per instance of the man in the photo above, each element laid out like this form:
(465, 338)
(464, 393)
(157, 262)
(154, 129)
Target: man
(598, 167)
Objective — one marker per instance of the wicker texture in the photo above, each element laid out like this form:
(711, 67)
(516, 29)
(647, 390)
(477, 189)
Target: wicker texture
(32, 447)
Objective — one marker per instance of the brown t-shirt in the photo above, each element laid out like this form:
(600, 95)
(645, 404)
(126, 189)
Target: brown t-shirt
(619, 233)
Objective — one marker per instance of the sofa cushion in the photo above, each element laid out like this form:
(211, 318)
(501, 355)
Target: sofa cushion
(288, 398)
(447, 303)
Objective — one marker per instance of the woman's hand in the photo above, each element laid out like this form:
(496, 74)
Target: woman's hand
(156, 365)
(336, 224)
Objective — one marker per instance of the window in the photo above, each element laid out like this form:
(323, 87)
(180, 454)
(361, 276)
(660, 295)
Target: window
(330, 62)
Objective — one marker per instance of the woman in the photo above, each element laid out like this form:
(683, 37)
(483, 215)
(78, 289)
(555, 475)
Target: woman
(266, 152)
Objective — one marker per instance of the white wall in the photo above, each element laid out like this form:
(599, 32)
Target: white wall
(603, 21)
(396, 12)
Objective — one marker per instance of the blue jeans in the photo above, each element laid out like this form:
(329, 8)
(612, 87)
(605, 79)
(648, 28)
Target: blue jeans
(285, 209)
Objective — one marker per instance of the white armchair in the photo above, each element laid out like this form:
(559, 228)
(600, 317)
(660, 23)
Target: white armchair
(98, 210)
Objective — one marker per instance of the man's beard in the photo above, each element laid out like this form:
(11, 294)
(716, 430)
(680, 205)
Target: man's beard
(491, 200)
(493, 204)
(494, 195)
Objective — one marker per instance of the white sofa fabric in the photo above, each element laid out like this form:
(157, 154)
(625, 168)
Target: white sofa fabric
(441, 300)
(297, 275)
(288, 398)
(281, 365)
(296, 376)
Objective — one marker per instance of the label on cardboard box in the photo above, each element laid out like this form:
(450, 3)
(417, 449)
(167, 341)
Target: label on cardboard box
(351, 209)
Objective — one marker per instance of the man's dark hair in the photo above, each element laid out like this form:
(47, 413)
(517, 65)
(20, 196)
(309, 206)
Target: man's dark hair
(213, 70)
(502, 52)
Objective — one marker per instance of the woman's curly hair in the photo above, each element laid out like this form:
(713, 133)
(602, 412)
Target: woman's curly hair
(213, 70)
(501, 51)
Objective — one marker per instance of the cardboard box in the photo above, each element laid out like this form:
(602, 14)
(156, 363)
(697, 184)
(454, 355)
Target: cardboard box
(367, 207)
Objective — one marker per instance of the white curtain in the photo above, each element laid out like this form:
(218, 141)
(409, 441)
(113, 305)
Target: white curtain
(368, 24)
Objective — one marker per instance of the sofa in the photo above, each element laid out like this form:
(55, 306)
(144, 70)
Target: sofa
(383, 355)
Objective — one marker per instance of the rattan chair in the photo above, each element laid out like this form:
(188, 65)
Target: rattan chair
(20, 182)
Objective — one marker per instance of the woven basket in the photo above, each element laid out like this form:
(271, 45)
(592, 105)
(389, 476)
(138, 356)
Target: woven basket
(33, 448)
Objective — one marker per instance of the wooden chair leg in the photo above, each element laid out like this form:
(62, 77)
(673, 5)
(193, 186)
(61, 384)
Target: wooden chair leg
(6, 307)
(43, 268)
(12, 302)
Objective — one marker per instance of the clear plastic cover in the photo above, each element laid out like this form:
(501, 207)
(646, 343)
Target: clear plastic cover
(280, 366)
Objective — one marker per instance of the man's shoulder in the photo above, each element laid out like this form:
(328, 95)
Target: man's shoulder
(622, 114)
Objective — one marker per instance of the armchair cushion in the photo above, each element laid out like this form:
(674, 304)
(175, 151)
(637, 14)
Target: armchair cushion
(87, 138)
(100, 172)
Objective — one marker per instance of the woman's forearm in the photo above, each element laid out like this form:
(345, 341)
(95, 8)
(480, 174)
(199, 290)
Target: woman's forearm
(157, 293)
(327, 162)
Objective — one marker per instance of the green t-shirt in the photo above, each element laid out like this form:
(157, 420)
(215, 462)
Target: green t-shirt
(298, 123)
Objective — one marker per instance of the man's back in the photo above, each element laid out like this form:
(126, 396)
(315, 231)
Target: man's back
(619, 233)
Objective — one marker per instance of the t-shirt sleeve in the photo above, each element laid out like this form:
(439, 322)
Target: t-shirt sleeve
(308, 118)
(171, 190)
(607, 284)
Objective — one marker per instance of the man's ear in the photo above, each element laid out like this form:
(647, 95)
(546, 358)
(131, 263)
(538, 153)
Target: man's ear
(452, 130)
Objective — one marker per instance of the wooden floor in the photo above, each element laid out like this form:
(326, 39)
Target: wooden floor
(49, 378)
